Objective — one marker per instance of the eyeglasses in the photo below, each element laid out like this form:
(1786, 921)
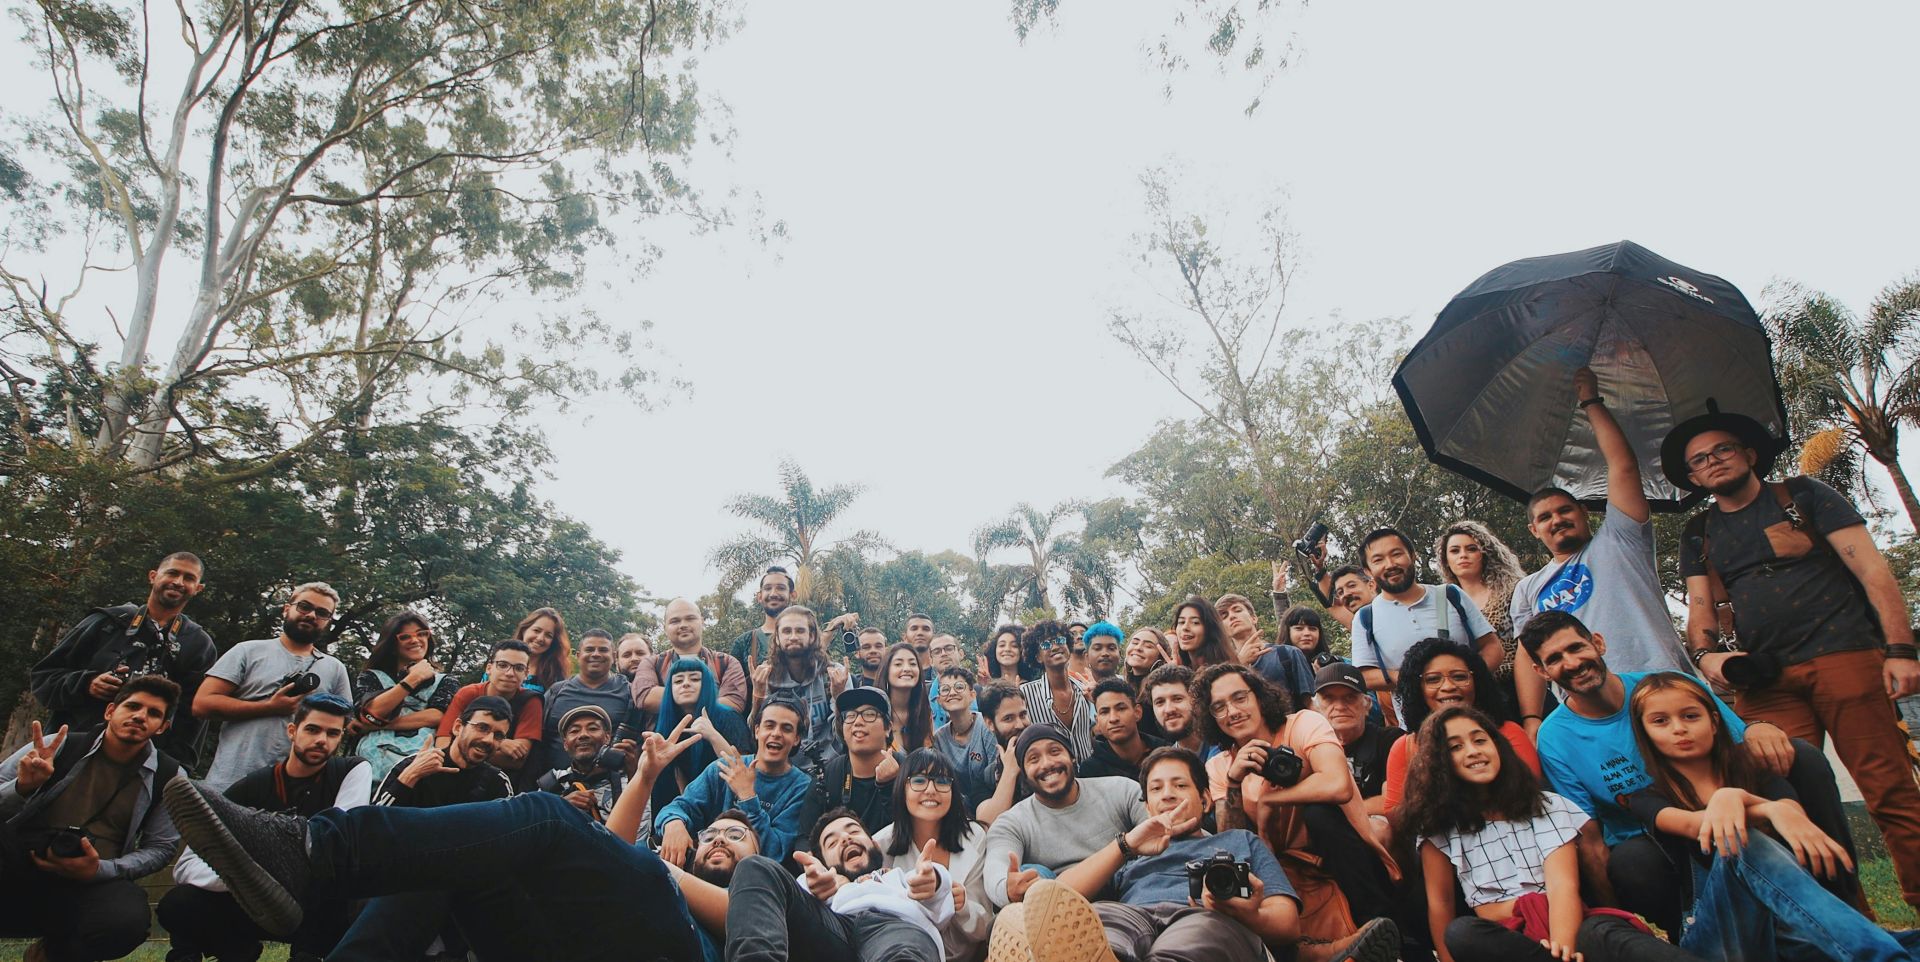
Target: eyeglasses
(1239, 698)
(956, 691)
(1719, 452)
(862, 715)
(943, 649)
(308, 608)
(1460, 679)
(730, 833)
(513, 666)
(939, 784)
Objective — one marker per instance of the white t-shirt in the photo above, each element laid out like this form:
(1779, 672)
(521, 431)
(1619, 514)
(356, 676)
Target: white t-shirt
(1506, 860)
(255, 669)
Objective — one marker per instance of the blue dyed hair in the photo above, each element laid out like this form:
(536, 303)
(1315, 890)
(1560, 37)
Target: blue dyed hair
(1104, 628)
(700, 755)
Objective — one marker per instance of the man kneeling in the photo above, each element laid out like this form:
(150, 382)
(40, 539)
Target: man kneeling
(1181, 893)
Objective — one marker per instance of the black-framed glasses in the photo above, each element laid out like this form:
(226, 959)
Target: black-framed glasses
(513, 666)
(938, 783)
(862, 715)
(309, 608)
(1719, 452)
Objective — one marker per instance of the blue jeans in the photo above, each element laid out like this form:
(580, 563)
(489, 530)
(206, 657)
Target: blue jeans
(1761, 905)
(528, 877)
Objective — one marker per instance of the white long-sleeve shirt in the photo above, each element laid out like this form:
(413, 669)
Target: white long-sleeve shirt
(969, 927)
(885, 891)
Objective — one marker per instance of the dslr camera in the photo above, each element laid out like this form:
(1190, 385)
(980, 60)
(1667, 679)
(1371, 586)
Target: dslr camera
(67, 842)
(1752, 671)
(304, 683)
(1308, 546)
(1282, 768)
(133, 661)
(1223, 875)
(850, 641)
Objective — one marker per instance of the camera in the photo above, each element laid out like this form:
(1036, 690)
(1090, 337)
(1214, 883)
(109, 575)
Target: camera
(66, 842)
(302, 682)
(1282, 767)
(1752, 670)
(1308, 546)
(850, 641)
(608, 759)
(1223, 875)
(133, 660)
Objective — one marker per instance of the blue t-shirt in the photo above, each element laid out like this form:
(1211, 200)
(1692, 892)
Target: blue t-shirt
(1287, 666)
(1162, 878)
(1594, 762)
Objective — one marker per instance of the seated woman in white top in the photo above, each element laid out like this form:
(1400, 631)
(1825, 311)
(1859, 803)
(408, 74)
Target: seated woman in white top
(929, 821)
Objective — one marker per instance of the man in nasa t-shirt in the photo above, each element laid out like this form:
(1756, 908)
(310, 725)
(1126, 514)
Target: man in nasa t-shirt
(1609, 581)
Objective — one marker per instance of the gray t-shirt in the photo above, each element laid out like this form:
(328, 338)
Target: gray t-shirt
(1613, 586)
(1059, 837)
(255, 668)
(614, 695)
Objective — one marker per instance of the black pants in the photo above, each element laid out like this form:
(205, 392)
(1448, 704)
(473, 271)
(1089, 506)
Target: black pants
(1602, 938)
(1652, 875)
(1347, 857)
(201, 923)
(770, 918)
(80, 920)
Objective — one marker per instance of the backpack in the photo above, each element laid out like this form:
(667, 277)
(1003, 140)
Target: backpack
(1363, 619)
(1696, 528)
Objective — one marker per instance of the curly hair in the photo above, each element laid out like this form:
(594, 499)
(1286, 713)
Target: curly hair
(1213, 649)
(1038, 635)
(1275, 704)
(1501, 571)
(1730, 766)
(1026, 669)
(1487, 696)
(1438, 801)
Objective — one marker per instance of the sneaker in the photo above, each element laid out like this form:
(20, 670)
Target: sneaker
(1377, 941)
(1063, 927)
(261, 856)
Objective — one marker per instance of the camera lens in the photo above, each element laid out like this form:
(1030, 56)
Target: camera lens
(1221, 881)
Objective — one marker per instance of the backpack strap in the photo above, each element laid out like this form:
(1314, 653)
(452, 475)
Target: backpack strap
(1364, 618)
(1454, 599)
(1696, 529)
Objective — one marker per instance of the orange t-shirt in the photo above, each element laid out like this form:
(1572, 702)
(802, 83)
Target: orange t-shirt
(1396, 787)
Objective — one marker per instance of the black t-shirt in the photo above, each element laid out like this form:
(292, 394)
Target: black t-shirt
(837, 786)
(477, 783)
(1367, 758)
(1647, 804)
(270, 789)
(1791, 597)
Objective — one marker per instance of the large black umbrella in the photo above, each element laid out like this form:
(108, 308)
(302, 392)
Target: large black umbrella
(1490, 391)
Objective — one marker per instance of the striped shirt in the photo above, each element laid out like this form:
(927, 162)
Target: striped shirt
(1039, 699)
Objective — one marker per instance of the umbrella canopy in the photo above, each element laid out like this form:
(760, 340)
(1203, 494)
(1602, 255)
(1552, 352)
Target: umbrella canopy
(1490, 390)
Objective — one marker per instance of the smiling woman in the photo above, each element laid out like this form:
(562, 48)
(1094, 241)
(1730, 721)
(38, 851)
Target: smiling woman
(1445, 674)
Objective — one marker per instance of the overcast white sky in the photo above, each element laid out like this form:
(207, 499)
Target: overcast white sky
(960, 208)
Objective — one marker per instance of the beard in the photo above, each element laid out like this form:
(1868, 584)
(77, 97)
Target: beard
(720, 875)
(303, 632)
(1731, 485)
(872, 864)
(1402, 583)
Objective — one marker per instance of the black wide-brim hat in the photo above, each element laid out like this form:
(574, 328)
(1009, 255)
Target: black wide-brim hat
(1673, 450)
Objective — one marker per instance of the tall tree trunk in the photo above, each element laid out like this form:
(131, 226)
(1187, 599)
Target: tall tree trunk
(1901, 487)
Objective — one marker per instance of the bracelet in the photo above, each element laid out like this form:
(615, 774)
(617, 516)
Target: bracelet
(1535, 717)
(1696, 654)
(411, 690)
(1596, 399)
(1126, 851)
(1907, 652)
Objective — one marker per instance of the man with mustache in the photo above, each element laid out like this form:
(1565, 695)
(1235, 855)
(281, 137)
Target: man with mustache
(1005, 709)
(84, 904)
(1066, 819)
(1168, 698)
(1406, 611)
(1824, 634)
(520, 751)
(1611, 580)
(100, 652)
(596, 685)
(844, 905)
(199, 914)
(632, 651)
(1588, 753)
(254, 686)
(510, 868)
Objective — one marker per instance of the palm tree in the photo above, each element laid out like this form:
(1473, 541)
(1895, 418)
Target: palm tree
(1051, 551)
(791, 523)
(1850, 385)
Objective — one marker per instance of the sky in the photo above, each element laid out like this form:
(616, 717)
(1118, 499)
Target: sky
(962, 207)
